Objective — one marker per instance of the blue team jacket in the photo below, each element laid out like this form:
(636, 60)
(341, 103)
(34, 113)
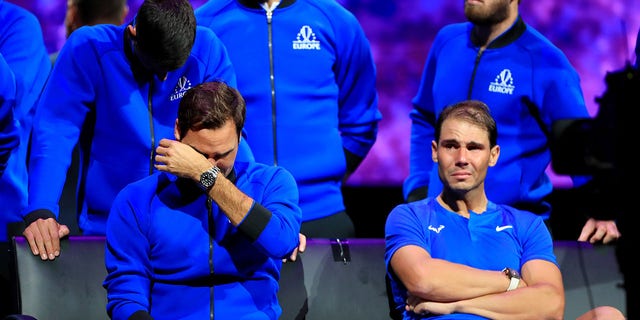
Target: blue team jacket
(93, 98)
(174, 255)
(312, 104)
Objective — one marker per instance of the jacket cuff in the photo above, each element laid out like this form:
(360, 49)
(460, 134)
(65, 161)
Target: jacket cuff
(353, 160)
(38, 214)
(140, 315)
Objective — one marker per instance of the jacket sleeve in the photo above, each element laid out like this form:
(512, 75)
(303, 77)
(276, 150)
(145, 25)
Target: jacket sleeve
(9, 138)
(277, 234)
(61, 112)
(127, 259)
(358, 98)
(423, 119)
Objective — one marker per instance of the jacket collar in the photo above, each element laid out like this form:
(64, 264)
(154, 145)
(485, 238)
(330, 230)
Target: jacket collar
(508, 37)
(255, 4)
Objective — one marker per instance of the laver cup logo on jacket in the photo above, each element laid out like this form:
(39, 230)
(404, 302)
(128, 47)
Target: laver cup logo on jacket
(306, 40)
(182, 86)
(503, 83)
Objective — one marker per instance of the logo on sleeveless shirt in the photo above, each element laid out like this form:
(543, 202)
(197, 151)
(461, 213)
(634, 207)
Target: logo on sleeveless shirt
(503, 83)
(181, 88)
(306, 40)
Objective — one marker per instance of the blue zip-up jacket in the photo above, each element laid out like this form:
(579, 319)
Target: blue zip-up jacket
(9, 138)
(309, 79)
(173, 254)
(527, 83)
(23, 49)
(94, 98)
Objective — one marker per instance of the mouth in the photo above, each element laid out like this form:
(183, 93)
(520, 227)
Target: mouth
(461, 175)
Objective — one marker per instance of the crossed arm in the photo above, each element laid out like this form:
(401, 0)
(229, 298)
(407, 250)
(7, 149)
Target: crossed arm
(442, 287)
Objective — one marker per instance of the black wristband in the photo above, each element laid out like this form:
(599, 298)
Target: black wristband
(38, 214)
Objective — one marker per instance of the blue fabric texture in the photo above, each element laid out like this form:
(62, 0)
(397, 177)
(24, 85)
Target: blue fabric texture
(520, 74)
(169, 255)
(497, 238)
(93, 98)
(323, 97)
(23, 49)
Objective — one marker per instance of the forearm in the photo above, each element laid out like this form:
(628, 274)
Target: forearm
(445, 281)
(233, 202)
(517, 304)
(541, 285)
(270, 221)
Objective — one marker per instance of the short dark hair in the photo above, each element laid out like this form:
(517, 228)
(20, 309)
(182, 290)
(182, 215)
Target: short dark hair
(472, 111)
(92, 12)
(166, 31)
(209, 105)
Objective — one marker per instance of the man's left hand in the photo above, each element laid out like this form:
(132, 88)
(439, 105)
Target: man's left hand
(595, 231)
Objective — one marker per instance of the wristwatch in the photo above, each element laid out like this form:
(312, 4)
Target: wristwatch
(208, 178)
(513, 276)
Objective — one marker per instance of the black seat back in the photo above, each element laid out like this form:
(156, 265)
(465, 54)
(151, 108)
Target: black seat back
(341, 280)
(67, 288)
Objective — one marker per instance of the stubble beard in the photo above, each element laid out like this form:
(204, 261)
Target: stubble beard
(487, 14)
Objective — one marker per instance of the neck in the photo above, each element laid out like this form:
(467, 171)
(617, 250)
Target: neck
(464, 203)
(488, 33)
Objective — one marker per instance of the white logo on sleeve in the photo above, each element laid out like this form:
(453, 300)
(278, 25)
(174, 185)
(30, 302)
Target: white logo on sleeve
(502, 228)
(437, 230)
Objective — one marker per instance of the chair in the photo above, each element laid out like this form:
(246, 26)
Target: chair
(334, 279)
(343, 279)
(67, 288)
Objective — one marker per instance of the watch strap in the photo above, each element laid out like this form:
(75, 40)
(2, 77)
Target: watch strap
(514, 278)
(513, 284)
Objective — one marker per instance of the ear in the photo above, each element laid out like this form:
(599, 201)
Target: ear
(494, 155)
(434, 151)
(132, 30)
(176, 132)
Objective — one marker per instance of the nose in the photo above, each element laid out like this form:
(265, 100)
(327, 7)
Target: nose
(461, 156)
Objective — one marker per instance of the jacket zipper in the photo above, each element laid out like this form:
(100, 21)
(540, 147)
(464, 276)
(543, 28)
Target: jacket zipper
(153, 138)
(269, 12)
(473, 74)
(211, 267)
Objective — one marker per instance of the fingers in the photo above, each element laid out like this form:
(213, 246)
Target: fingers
(164, 142)
(63, 231)
(303, 243)
(43, 236)
(29, 234)
(294, 255)
(596, 231)
(587, 230)
(611, 232)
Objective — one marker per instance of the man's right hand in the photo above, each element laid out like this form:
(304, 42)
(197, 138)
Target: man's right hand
(44, 237)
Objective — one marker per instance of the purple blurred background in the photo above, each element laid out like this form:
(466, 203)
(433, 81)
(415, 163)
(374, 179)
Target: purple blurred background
(598, 36)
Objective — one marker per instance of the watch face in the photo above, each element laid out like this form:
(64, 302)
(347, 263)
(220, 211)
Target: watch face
(511, 273)
(207, 179)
